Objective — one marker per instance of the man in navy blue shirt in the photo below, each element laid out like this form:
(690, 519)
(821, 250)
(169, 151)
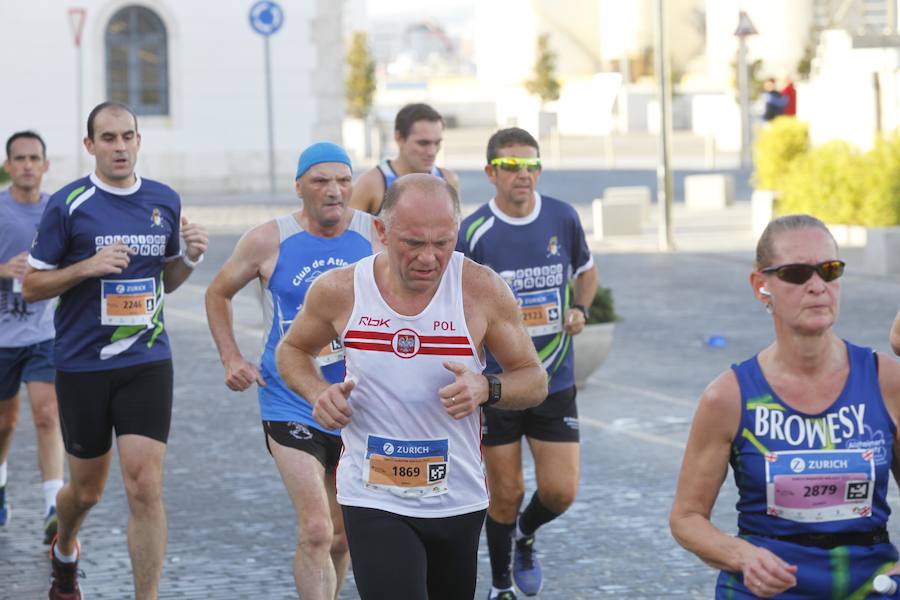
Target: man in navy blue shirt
(536, 243)
(109, 246)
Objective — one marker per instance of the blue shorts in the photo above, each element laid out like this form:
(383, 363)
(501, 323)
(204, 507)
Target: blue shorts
(841, 572)
(28, 363)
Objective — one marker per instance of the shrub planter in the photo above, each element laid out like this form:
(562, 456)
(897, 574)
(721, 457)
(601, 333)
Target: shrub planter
(592, 346)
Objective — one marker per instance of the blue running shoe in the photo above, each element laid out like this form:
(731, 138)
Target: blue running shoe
(526, 567)
(504, 595)
(51, 522)
(4, 507)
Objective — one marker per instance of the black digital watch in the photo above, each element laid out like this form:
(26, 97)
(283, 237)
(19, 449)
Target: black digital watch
(493, 390)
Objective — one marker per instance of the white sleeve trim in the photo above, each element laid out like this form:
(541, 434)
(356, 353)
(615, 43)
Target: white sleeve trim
(40, 265)
(588, 265)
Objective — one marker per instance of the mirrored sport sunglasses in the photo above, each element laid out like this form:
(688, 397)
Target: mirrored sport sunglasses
(513, 164)
(800, 272)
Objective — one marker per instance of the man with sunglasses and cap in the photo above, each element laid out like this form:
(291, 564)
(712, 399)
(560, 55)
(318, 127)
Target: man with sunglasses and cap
(286, 256)
(809, 426)
(418, 132)
(537, 245)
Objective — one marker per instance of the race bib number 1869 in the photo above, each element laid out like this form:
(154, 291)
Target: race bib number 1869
(409, 468)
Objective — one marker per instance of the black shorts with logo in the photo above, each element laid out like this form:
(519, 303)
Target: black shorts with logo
(326, 448)
(553, 420)
(129, 400)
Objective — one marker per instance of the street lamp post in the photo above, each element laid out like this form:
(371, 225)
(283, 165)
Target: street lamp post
(744, 29)
(664, 167)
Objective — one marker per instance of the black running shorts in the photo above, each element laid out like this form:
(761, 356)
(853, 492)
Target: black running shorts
(413, 558)
(130, 400)
(553, 420)
(326, 448)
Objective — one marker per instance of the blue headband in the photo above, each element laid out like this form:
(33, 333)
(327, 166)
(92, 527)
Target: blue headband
(321, 152)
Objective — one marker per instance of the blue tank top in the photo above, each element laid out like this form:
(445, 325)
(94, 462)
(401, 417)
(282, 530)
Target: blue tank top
(390, 176)
(799, 473)
(302, 257)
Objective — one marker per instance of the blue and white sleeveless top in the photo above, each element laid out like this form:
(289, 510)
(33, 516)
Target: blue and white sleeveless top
(390, 176)
(538, 255)
(800, 473)
(302, 257)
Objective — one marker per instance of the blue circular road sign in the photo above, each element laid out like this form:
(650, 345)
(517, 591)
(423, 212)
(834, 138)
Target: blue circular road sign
(266, 17)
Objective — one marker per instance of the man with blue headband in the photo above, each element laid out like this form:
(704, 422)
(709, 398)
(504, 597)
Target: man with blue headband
(286, 255)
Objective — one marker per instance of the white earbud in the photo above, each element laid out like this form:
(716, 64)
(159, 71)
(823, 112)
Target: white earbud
(764, 291)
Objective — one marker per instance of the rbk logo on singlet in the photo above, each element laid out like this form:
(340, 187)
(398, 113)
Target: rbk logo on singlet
(812, 432)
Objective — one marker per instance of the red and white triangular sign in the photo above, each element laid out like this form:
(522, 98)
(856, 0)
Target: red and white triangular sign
(745, 26)
(76, 23)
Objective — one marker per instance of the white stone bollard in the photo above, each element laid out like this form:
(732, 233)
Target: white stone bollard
(705, 192)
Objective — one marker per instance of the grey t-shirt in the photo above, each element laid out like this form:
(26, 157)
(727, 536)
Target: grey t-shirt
(21, 324)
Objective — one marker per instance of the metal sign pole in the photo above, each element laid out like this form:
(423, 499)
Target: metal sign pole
(744, 92)
(76, 22)
(269, 119)
(266, 18)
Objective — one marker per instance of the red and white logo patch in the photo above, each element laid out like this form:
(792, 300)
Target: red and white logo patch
(406, 343)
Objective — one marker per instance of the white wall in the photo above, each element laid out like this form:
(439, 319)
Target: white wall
(215, 136)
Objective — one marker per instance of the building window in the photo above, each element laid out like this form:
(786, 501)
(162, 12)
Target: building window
(137, 61)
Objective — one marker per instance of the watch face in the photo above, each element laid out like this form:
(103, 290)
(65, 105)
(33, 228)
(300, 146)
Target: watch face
(495, 388)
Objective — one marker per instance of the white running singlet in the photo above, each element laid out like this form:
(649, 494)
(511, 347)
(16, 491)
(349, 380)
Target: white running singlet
(402, 452)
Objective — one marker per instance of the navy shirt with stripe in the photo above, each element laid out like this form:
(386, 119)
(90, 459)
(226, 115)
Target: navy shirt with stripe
(538, 256)
(83, 217)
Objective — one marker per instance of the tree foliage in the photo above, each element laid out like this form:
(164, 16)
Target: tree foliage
(360, 77)
(544, 85)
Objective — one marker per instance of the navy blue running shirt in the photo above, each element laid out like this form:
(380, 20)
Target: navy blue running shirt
(116, 320)
(538, 256)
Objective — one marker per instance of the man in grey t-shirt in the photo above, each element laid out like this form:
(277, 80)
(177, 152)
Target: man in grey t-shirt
(26, 330)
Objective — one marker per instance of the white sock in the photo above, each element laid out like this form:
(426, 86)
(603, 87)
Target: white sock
(66, 558)
(51, 487)
(3, 474)
(497, 591)
(518, 534)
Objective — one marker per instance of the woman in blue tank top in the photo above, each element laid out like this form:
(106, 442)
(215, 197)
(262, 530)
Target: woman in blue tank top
(809, 426)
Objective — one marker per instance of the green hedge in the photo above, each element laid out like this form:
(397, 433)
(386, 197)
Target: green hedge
(4, 176)
(826, 183)
(835, 181)
(603, 308)
(777, 146)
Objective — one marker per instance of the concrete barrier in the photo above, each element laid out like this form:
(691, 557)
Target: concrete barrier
(882, 253)
(622, 211)
(705, 192)
(849, 236)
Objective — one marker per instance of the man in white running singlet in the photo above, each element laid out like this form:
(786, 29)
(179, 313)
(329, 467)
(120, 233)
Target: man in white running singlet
(414, 321)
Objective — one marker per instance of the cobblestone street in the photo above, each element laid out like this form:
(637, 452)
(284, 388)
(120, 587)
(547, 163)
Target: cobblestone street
(230, 521)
